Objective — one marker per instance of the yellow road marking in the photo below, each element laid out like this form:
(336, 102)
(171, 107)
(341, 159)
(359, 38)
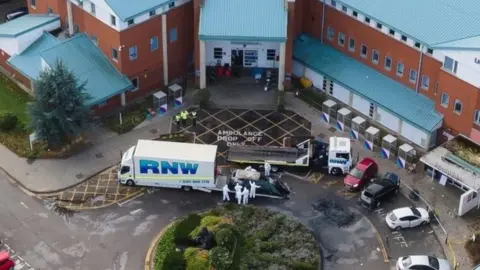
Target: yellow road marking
(380, 242)
(315, 178)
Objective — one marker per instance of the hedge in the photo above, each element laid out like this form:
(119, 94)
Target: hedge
(166, 255)
(220, 258)
(185, 227)
(196, 259)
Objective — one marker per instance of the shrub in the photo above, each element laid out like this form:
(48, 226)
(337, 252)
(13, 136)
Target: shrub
(8, 121)
(220, 258)
(196, 259)
(185, 227)
(210, 222)
(166, 255)
(269, 246)
(225, 238)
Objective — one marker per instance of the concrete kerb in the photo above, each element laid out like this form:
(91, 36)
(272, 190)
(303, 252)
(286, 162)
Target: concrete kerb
(153, 247)
(384, 251)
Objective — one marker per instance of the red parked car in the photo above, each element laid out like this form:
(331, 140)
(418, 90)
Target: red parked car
(6, 262)
(363, 172)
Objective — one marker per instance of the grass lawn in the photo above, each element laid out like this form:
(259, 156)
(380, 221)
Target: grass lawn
(13, 99)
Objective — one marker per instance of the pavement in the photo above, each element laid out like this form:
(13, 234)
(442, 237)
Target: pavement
(49, 176)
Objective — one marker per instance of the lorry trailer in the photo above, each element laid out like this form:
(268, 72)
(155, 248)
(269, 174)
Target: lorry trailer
(184, 166)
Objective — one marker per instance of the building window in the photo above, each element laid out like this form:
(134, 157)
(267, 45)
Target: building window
(173, 35)
(363, 51)
(391, 32)
(379, 25)
(371, 110)
(76, 28)
(92, 8)
(400, 69)
(115, 54)
(130, 22)
(132, 53)
(404, 38)
(330, 33)
(444, 100)
(388, 63)
(355, 14)
(49, 11)
(351, 44)
(153, 44)
(417, 44)
(334, 3)
(271, 54)
(344, 8)
(113, 20)
(135, 84)
(33, 3)
(412, 75)
(171, 4)
(375, 56)
(425, 82)
(450, 64)
(341, 39)
(367, 19)
(429, 51)
(152, 13)
(457, 107)
(476, 117)
(435, 89)
(217, 53)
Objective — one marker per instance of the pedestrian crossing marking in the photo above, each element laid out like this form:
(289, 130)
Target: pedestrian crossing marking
(315, 178)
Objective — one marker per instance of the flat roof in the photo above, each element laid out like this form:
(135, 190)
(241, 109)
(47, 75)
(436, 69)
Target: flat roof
(25, 24)
(176, 150)
(243, 20)
(368, 83)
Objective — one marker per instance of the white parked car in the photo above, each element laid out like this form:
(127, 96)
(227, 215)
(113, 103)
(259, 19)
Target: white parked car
(423, 262)
(407, 217)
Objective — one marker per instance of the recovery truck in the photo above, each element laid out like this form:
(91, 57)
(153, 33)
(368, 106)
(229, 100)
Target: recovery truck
(334, 157)
(184, 166)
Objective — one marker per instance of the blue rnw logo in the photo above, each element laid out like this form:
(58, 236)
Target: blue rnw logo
(164, 167)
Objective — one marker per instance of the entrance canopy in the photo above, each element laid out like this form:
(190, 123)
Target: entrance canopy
(243, 20)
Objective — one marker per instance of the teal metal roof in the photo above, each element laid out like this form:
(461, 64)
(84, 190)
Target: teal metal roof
(429, 21)
(88, 63)
(29, 61)
(368, 83)
(463, 44)
(25, 24)
(127, 10)
(245, 20)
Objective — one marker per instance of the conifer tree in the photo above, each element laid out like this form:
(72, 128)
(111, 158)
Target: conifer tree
(59, 111)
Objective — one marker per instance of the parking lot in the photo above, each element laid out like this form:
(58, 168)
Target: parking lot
(414, 241)
(227, 127)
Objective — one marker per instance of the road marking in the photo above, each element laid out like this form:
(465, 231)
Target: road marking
(380, 241)
(24, 205)
(135, 211)
(315, 178)
(129, 200)
(399, 239)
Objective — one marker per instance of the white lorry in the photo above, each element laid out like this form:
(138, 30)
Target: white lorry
(339, 156)
(179, 165)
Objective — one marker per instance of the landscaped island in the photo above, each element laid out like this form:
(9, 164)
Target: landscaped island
(237, 237)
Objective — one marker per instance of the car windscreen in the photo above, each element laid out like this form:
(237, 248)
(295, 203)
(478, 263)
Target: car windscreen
(392, 216)
(433, 262)
(367, 194)
(415, 211)
(356, 173)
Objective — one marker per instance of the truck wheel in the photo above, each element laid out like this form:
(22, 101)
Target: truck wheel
(186, 188)
(130, 183)
(335, 171)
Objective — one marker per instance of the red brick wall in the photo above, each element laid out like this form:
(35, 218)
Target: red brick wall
(181, 51)
(111, 104)
(15, 74)
(58, 7)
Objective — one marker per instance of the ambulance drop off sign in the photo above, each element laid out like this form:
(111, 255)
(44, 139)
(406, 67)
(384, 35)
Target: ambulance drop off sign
(237, 137)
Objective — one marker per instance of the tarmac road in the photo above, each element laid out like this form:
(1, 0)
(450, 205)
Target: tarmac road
(117, 237)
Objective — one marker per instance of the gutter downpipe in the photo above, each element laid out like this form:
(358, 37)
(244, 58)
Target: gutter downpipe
(419, 69)
(323, 20)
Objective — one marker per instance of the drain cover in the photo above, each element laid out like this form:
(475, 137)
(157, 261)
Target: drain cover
(99, 155)
(332, 129)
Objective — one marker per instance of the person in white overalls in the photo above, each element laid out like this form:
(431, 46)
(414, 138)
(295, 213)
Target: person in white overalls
(226, 196)
(253, 189)
(268, 168)
(238, 193)
(245, 194)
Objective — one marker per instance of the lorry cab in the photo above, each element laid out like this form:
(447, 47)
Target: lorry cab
(125, 169)
(339, 156)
